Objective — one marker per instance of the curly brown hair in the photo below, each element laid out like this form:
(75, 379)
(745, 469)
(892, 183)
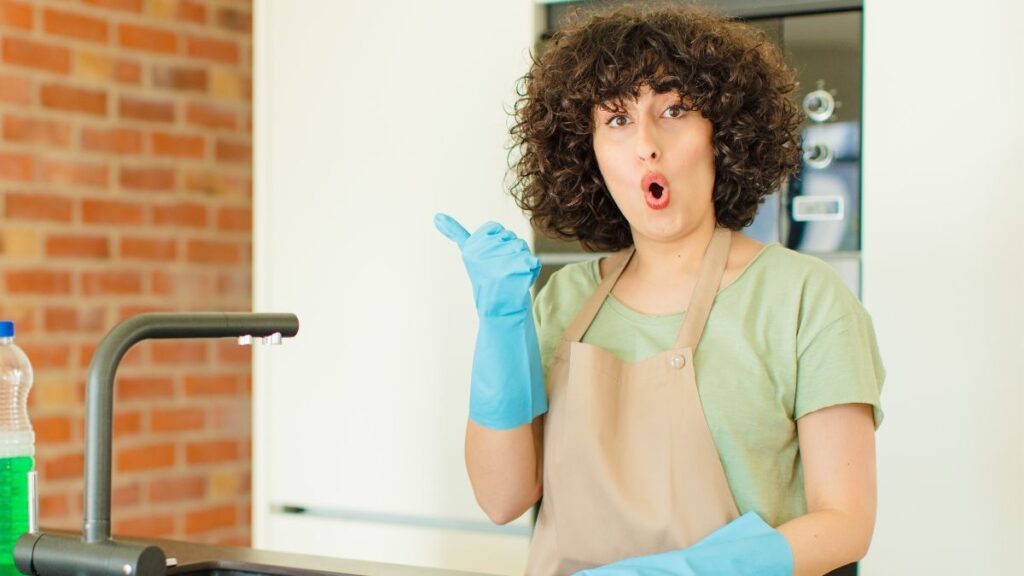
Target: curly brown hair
(729, 71)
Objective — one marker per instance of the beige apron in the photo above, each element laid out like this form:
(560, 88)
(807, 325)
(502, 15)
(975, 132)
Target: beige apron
(630, 467)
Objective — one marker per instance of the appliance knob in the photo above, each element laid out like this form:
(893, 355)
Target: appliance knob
(819, 105)
(818, 156)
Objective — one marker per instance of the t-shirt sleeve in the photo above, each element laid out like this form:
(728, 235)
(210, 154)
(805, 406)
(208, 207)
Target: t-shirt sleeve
(841, 364)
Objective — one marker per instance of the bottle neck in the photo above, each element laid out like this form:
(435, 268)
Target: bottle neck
(6, 340)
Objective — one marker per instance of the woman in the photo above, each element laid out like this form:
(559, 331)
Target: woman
(702, 403)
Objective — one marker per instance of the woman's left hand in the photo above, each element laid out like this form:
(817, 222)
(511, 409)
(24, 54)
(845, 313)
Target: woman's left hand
(746, 546)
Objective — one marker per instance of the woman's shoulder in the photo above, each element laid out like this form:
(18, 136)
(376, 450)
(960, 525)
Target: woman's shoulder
(784, 267)
(566, 290)
(572, 280)
(800, 284)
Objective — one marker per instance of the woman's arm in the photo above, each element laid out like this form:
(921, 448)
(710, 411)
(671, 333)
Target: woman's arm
(837, 448)
(505, 468)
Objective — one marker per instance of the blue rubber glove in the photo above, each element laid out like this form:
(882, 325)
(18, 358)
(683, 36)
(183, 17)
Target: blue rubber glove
(507, 385)
(747, 546)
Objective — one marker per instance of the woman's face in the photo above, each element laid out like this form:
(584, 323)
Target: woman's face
(657, 161)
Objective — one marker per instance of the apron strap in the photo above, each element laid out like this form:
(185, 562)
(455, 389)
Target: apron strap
(703, 296)
(575, 331)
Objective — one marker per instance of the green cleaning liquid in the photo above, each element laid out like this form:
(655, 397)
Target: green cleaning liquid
(13, 503)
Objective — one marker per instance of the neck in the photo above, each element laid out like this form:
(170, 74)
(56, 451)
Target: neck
(678, 258)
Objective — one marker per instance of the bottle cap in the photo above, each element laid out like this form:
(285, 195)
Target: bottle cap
(6, 329)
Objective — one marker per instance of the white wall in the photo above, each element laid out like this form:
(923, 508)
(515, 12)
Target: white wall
(370, 117)
(944, 281)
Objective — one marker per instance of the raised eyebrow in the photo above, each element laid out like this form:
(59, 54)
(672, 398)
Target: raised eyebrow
(613, 106)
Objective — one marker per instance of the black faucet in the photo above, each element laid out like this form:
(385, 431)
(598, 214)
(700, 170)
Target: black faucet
(96, 554)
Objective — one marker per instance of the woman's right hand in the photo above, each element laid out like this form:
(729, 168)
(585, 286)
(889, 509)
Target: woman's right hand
(500, 265)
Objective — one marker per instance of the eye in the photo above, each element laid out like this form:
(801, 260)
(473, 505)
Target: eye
(674, 111)
(617, 121)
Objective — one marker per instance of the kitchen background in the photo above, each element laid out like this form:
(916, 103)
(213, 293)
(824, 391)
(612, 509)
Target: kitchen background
(126, 186)
(289, 155)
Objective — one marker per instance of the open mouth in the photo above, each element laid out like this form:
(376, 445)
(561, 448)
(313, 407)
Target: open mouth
(656, 191)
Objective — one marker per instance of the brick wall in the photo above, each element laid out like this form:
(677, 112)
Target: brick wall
(125, 186)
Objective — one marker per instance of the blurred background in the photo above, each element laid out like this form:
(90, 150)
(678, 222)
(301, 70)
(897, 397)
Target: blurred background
(126, 186)
(288, 155)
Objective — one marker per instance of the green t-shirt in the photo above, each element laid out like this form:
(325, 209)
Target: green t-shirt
(785, 338)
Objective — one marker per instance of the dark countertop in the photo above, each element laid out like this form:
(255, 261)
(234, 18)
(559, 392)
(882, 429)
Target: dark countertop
(213, 560)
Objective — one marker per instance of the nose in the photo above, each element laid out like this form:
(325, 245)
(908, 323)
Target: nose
(647, 145)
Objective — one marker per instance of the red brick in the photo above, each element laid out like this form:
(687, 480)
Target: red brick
(151, 457)
(236, 20)
(213, 252)
(147, 38)
(74, 99)
(120, 141)
(234, 284)
(127, 495)
(149, 526)
(192, 12)
(230, 353)
(234, 219)
(161, 283)
(212, 49)
(37, 131)
(78, 319)
(178, 145)
(48, 57)
(182, 215)
(178, 78)
(15, 90)
(210, 116)
(231, 417)
(60, 319)
(122, 282)
(154, 179)
(16, 167)
(176, 419)
(63, 467)
(211, 452)
(37, 282)
(45, 356)
(177, 489)
(15, 15)
(90, 175)
(149, 110)
(211, 385)
(74, 25)
(77, 246)
(127, 424)
(155, 249)
(178, 351)
(126, 5)
(53, 505)
(143, 388)
(111, 212)
(238, 152)
(38, 206)
(128, 72)
(208, 519)
(52, 429)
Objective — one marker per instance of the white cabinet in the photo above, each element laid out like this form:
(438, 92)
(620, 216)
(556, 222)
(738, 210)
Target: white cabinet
(370, 117)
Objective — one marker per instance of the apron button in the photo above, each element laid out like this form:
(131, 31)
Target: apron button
(677, 361)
